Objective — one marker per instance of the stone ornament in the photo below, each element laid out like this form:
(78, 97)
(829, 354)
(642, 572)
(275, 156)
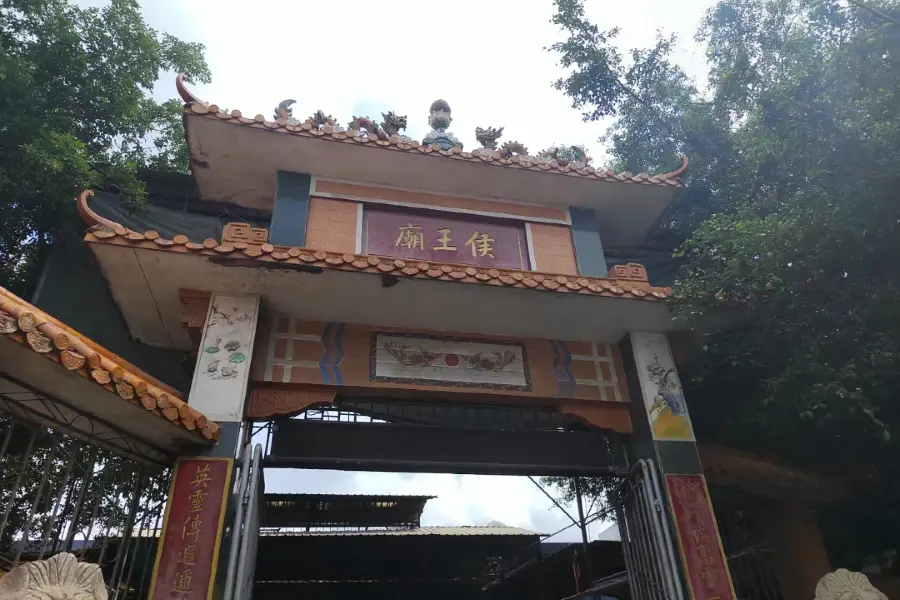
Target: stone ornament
(488, 136)
(439, 118)
(60, 577)
(847, 585)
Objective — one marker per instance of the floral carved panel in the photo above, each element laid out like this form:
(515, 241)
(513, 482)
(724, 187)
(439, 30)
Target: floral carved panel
(847, 585)
(60, 577)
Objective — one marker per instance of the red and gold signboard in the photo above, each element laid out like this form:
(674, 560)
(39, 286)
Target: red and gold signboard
(188, 550)
(698, 538)
(444, 237)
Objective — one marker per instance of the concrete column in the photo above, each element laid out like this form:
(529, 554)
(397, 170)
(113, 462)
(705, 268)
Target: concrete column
(799, 555)
(219, 387)
(664, 433)
(199, 494)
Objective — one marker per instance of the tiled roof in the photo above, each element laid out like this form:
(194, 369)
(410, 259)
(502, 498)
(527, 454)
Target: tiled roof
(31, 327)
(454, 531)
(195, 106)
(239, 241)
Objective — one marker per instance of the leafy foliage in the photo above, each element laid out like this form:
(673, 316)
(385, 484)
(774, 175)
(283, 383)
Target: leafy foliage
(76, 112)
(788, 224)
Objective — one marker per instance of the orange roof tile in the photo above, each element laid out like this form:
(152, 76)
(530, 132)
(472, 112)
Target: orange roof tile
(28, 325)
(240, 242)
(195, 106)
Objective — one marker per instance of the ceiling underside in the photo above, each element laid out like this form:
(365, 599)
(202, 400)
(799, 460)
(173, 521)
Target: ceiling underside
(40, 391)
(146, 285)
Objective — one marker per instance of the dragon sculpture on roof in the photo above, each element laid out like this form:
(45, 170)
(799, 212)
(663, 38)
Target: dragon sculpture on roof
(488, 137)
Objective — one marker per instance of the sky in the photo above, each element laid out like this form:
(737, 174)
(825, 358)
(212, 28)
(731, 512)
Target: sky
(361, 58)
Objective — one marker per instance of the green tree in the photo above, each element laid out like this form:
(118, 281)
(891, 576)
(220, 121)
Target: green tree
(787, 228)
(76, 112)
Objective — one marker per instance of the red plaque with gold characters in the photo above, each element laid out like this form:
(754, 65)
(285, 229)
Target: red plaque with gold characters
(698, 537)
(188, 548)
(445, 237)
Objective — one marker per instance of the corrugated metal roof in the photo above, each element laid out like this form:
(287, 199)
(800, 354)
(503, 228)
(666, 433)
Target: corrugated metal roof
(434, 530)
(470, 530)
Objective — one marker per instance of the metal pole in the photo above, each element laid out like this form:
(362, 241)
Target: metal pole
(100, 495)
(253, 492)
(244, 475)
(6, 438)
(125, 539)
(675, 567)
(34, 505)
(76, 513)
(62, 490)
(583, 526)
(15, 488)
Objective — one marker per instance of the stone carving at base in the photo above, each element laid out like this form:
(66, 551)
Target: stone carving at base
(847, 585)
(61, 577)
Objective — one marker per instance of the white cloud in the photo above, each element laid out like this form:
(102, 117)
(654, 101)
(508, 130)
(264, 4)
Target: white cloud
(485, 57)
(461, 499)
(349, 57)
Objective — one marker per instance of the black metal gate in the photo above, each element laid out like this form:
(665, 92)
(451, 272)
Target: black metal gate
(244, 532)
(61, 494)
(653, 568)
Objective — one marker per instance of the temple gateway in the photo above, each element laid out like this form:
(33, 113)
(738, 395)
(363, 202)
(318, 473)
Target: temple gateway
(325, 294)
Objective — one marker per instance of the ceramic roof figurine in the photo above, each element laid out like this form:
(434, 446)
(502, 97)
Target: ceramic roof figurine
(439, 119)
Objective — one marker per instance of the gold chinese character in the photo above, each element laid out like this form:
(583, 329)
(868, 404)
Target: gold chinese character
(197, 500)
(705, 558)
(481, 244)
(182, 581)
(688, 489)
(191, 528)
(444, 240)
(709, 576)
(187, 556)
(410, 237)
(201, 477)
(699, 534)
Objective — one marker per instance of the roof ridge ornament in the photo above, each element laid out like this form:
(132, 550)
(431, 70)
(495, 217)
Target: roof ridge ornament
(393, 123)
(510, 149)
(186, 94)
(94, 220)
(371, 127)
(439, 119)
(677, 173)
(565, 155)
(284, 112)
(488, 137)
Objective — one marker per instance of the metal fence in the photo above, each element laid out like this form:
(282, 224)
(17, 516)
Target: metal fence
(653, 570)
(749, 558)
(61, 494)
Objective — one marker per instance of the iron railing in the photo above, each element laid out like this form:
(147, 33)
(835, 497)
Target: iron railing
(749, 558)
(61, 494)
(653, 570)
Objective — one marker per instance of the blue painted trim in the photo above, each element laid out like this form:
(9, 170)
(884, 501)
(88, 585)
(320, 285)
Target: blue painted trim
(323, 363)
(291, 211)
(562, 367)
(336, 366)
(589, 254)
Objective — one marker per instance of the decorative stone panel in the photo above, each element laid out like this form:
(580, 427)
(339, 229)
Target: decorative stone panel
(847, 585)
(60, 577)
